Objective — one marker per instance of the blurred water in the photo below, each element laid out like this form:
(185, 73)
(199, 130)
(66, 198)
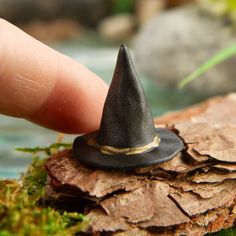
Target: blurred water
(100, 59)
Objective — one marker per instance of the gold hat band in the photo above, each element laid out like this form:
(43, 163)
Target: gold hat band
(127, 151)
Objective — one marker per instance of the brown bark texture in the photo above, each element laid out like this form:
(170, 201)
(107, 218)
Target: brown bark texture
(192, 194)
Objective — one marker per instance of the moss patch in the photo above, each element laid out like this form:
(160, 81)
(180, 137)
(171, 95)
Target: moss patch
(22, 210)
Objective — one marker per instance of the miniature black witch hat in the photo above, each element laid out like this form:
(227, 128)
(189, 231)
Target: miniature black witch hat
(127, 138)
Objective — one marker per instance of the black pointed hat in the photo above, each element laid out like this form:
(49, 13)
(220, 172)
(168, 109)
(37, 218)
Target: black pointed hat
(127, 138)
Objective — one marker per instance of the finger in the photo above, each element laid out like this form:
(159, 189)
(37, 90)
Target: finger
(43, 86)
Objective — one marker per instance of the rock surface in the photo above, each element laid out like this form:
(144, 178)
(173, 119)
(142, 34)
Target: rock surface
(176, 42)
(192, 194)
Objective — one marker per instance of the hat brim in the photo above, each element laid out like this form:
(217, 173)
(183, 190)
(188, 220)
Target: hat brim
(170, 146)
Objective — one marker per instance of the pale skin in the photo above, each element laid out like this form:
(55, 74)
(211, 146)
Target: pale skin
(46, 87)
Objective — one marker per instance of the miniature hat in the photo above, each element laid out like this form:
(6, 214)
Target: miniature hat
(127, 138)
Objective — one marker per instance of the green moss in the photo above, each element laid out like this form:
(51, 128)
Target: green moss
(48, 150)
(225, 232)
(22, 210)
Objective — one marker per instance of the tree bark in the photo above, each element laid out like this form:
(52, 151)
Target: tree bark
(192, 194)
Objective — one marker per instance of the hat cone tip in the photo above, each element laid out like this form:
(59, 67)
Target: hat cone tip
(123, 47)
(124, 56)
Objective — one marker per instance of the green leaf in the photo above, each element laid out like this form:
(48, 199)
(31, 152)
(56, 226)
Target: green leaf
(215, 60)
(231, 4)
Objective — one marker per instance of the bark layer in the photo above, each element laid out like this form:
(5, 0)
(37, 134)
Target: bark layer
(192, 194)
